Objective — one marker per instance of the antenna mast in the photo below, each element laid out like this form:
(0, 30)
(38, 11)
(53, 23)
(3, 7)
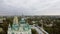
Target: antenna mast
(22, 14)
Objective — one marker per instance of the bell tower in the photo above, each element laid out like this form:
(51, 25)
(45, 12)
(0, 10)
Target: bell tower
(15, 21)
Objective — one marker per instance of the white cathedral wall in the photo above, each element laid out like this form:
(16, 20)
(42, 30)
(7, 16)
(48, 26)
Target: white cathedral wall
(22, 24)
(30, 31)
(20, 29)
(18, 32)
(21, 32)
(9, 32)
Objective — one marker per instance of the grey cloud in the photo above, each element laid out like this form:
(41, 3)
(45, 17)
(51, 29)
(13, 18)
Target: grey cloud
(29, 7)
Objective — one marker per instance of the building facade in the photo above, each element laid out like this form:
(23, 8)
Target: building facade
(20, 27)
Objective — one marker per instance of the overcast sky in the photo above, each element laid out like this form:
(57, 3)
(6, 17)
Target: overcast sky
(30, 7)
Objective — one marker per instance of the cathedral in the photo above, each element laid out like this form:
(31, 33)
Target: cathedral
(19, 27)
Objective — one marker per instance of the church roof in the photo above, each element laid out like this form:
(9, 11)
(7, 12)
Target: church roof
(16, 26)
(22, 21)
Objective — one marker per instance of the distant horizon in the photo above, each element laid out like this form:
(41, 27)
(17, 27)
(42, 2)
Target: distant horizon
(30, 15)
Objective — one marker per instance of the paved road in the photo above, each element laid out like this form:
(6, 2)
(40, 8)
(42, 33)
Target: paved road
(40, 31)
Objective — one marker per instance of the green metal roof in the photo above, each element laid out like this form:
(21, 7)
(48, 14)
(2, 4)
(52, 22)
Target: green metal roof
(22, 21)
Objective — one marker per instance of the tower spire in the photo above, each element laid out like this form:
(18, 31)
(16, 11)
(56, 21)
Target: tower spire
(9, 27)
(15, 21)
(22, 19)
(22, 14)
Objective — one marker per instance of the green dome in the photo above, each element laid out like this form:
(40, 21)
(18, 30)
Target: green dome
(15, 27)
(22, 21)
(26, 27)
